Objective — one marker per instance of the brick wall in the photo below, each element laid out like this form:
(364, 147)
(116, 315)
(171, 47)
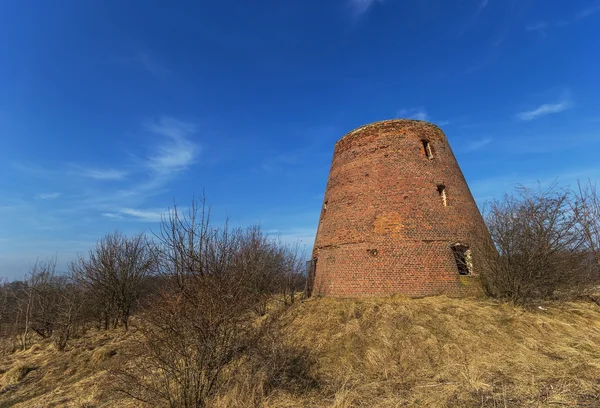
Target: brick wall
(384, 228)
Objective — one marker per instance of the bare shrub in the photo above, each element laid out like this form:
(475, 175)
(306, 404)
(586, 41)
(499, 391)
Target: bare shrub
(188, 340)
(586, 208)
(113, 274)
(70, 311)
(48, 304)
(294, 277)
(212, 311)
(540, 251)
(267, 267)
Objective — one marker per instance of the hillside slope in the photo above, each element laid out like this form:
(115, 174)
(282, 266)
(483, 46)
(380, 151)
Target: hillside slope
(366, 353)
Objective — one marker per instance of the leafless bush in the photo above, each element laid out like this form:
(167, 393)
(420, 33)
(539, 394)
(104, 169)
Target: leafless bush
(267, 267)
(188, 340)
(33, 302)
(43, 295)
(540, 250)
(192, 249)
(70, 310)
(46, 304)
(586, 208)
(294, 278)
(113, 274)
(211, 313)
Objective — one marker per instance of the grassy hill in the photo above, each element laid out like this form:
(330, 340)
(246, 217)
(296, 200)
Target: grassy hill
(392, 352)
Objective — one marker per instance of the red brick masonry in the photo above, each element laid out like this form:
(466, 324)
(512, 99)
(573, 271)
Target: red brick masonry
(384, 228)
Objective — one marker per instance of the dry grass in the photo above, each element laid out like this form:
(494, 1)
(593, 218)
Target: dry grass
(73, 378)
(432, 352)
(449, 352)
(16, 373)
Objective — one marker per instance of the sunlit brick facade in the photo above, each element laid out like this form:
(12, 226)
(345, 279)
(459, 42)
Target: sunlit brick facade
(397, 216)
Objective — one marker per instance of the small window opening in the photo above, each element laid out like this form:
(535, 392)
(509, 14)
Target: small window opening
(427, 148)
(325, 206)
(463, 258)
(442, 192)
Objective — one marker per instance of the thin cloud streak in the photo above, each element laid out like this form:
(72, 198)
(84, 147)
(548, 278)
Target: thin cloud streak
(543, 110)
(112, 216)
(174, 153)
(539, 26)
(49, 196)
(172, 150)
(144, 215)
(360, 7)
(542, 26)
(482, 5)
(477, 144)
(178, 151)
(413, 113)
(99, 174)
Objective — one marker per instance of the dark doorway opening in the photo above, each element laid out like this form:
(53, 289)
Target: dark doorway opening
(311, 269)
(462, 257)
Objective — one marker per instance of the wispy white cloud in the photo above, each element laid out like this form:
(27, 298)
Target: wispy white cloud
(543, 110)
(153, 215)
(482, 5)
(539, 26)
(170, 149)
(588, 11)
(413, 113)
(99, 174)
(125, 190)
(581, 14)
(177, 151)
(113, 216)
(542, 26)
(474, 145)
(49, 196)
(360, 7)
(143, 215)
(172, 152)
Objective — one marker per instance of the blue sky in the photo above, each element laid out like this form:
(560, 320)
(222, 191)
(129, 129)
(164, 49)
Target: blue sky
(112, 110)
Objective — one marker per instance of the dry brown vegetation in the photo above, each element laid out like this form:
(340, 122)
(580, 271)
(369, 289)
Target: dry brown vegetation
(543, 244)
(208, 316)
(356, 353)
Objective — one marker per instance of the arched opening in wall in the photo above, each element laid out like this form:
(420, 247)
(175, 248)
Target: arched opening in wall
(442, 192)
(463, 259)
(427, 148)
(324, 207)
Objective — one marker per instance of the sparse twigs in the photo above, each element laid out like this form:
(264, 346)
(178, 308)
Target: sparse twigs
(113, 274)
(541, 250)
(586, 208)
(215, 307)
(45, 304)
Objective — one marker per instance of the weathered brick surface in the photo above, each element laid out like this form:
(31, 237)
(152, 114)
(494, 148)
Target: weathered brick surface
(383, 227)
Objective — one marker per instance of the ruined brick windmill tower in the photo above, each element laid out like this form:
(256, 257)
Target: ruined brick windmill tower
(397, 217)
